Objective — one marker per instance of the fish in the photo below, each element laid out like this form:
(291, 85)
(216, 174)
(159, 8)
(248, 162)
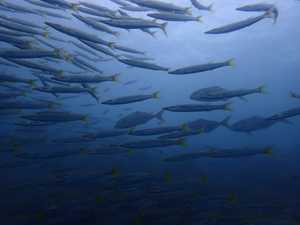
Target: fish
(131, 50)
(186, 156)
(14, 40)
(154, 143)
(53, 14)
(23, 22)
(79, 34)
(56, 117)
(97, 7)
(14, 78)
(159, 130)
(209, 125)
(201, 67)
(119, 2)
(135, 24)
(31, 53)
(135, 8)
(83, 47)
(30, 123)
(162, 6)
(137, 118)
(44, 4)
(257, 7)
(175, 186)
(264, 207)
(108, 133)
(19, 7)
(146, 88)
(199, 6)
(137, 57)
(98, 48)
(209, 200)
(88, 65)
(65, 89)
(293, 95)
(234, 93)
(240, 152)
(197, 107)
(107, 151)
(86, 78)
(241, 24)
(97, 26)
(13, 32)
(285, 114)
(15, 87)
(131, 99)
(25, 105)
(73, 140)
(63, 4)
(174, 17)
(131, 82)
(18, 27)
(255, 123)
(142, 64)
(21, 163)
(181, 133)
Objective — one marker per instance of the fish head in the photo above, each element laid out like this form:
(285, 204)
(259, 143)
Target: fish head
(27, 155)
(172, 108)
(110, 102)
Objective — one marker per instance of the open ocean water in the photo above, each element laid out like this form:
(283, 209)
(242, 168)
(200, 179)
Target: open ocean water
(62, 160)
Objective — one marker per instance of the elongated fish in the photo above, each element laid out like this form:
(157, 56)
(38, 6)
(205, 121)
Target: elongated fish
(293, 95)
(197, 107)
(285, 114)
(241, 24)
(142, 64)
(199, 6)
(19, 7)
(186, 156)
(65, 89)
(108, 133)
(174, 17)
(56, 117)
(137, 118)
(86, 79)
(23, 22)
(31, 53)
(63, 4)
(44, 4)
(209, 125)
(201, 67)
(234, 93)
(182, 133)
(154, 143)
(130, 99)
(13, 78)
(98, 48)
(257, 7)
(79, 34)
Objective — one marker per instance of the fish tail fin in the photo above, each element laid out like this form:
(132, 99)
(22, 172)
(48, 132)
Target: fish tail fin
(58, 53)
(201, 131)
(199, 19)
(129, 150)
(285, 208)
(155, 95)
(117, 34)
(42, 15)
(243, 98)
(159, 116)
(68, 59)
(292, 95)
(226, 106)
(261, 89)
(15, 149)
(217, 212)
(181, 142)
(82, 151)
(269, 150)
(94, 90)
(61, 72)
(188, 11)
(23, 93)
(45, 34)
(225, 122)
(230, 62)
(233, 199)
(204, 180)
(28, 43)
(115, 171)
(111, 45)
(185, 126)
(73, 6)
(153, 34)
(32, 82)
(163, 27)
(85, 118)
(286, 121)
(101, 199)
(269, 13)
(51, 106)
(210, 7)
(115, 78)
(167, 175)
(45, 28)
(144, 53)
(44, 139)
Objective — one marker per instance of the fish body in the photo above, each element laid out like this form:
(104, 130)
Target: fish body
(131, 99)
(107, 133)
(21, 163)
(73, 140)
(79, 34)
(24, 105)
(181, 133)
(240, 24)
(131, 50)
(293, 95)
(197, 107)
(18, 7)
(43, 4)
(201, 67)
(158, 130)
(254, 123)
(86, 78)
(186, 156)
(239, 152)
(56, 117)
(142, 64)
(98, 48)
(174, 17)
(47, 155)
(97, 7)
(88, 65)
(63, 4)
(154, 143)
(14, 40)
(285, 114)
(34, 123)
(20, 21)
(30, 53)
(64, 89)
(209, 125)
(199, 6)
(234, 93)
(13, 78)
(137, 118)
(131, 82)
(106, 151)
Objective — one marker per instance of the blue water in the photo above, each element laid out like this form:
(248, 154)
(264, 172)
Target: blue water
(264, 55)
